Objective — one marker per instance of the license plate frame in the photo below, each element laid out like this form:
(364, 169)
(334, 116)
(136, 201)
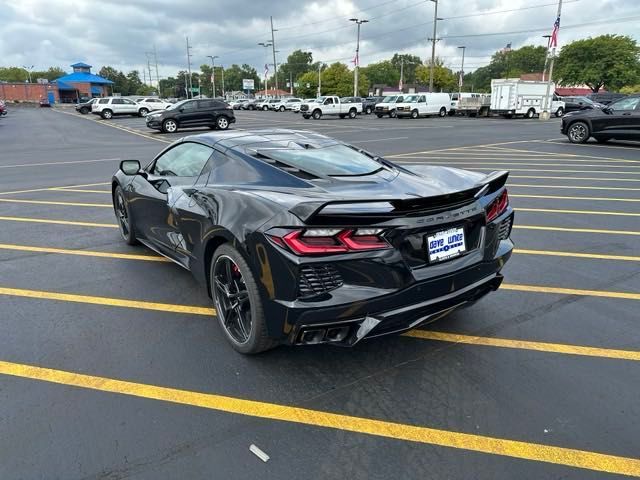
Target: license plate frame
(442, 246)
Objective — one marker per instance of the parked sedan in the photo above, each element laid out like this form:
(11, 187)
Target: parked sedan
(249, 104)
(192, 113)
(579, 103)
(619, 120)
(301, 239)
(85, 107)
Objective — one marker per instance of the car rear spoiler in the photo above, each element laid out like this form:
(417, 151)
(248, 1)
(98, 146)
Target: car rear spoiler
(389, 208)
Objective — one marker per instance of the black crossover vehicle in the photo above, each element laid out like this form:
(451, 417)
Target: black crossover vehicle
(619, 120)
(215, 114)
(302, 239)
(571, 104)
(85, 107)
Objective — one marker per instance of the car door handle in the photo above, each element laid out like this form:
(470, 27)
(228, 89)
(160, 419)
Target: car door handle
(626, 113)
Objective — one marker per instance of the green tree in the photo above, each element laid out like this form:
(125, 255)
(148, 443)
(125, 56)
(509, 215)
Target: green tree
(297, 64)
(411, 62)
(607, 60)
(384, 72)
(120, 84)
(337, 79)
(14, 74)
(443, 78)
(630, 89)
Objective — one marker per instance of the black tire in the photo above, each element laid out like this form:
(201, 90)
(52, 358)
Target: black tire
(306, 117)
(241, 279)
(559, 112)
(265, 108)
(143, 112)
(368, 110)
(353, 113)
(342, 115)
(602, 139)
(393, 114)
(282, 109)
(106, 114)
(442, 112)
(414, 114)
(530, 113)
(84, 110)
(222, 122)
(317, 114)
(170, 126)
(578, 132)
(378, 115)
(123, 216)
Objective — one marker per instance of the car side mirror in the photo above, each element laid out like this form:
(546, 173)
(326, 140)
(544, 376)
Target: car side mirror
(130, 167)
(607, 109)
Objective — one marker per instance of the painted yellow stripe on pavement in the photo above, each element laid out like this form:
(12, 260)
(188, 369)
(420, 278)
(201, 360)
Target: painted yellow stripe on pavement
(44, 189)
(444, 438)
(574, 187)
(570, 291)
(578, 212)
(49, 202)
(83, 253)
(59, 222)
(107, 301)
(595, 256)
(591, 199)
(71, 162)
(517, 161)
(559, 171)
(595, 179)
(575, 230)
(79, 190)
(526, 345)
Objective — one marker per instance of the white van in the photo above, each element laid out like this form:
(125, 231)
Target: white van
(424, 105)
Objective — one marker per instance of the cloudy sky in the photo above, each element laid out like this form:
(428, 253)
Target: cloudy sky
(110, 32)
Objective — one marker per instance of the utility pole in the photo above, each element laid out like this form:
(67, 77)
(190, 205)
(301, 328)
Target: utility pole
(433, 44)
(461, 81)
(546, 115)
(222, 70)
(213, 75)
(189, 70)
(546, 57)
(155, 58)
(266, 45)
(356, 73)
(290, 82)
(319, 79)
(149, 68)
(273, 45)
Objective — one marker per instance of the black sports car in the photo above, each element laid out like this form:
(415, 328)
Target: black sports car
(302, 239)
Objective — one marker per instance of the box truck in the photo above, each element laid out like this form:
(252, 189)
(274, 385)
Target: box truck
(511, 97)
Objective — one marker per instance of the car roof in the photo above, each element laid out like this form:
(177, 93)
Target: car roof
(264, 138)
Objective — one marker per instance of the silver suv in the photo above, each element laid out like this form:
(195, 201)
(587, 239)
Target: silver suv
(108, 107)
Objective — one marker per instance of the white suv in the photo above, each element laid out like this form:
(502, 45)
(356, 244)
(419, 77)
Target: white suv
(285, 104)
(151, 104)
(111, 106)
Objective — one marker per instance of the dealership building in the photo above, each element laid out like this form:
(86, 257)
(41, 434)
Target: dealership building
(81, 83)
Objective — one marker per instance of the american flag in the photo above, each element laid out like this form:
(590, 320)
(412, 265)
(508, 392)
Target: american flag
(356, 60)
(553, 41)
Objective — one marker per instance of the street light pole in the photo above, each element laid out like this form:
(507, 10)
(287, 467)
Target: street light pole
(275, 64)
(319, 79)
(546, 57)
(356, 73)
(213, 74)
(546, 115)
(266, 45)
(464, 48)
(433, 43)
(28, 69)
(222, 70)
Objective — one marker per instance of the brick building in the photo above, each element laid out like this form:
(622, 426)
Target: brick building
(66, 89)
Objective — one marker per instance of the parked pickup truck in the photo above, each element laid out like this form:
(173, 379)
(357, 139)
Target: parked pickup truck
(330, 106)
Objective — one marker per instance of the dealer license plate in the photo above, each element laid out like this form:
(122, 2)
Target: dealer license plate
(446, 244)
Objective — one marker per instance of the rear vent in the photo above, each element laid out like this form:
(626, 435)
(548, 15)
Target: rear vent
(318, 279)
(305, 175)
(505, 228)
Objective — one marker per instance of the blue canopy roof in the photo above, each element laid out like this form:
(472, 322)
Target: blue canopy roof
(96, 90)
(80, 65)
(84, 77)
(64, 86)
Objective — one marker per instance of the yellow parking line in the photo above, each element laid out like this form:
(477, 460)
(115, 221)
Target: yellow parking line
(598, 256)
(570, 291)
(59, 222)
(316, 418)
(526, 345)
(574, 187)
(591, 199)
(574, 230)
(578, 212)
(48, 202)
(79, 190)
(44, 189)
(107, 301)
(594, 157)
(524, 162)
(84, 253)
(595, 179)
(59, 163)
(559, 171)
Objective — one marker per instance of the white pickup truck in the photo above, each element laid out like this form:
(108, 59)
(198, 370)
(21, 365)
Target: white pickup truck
(330, 106)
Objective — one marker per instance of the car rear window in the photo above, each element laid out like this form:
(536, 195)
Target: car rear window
(335, 160)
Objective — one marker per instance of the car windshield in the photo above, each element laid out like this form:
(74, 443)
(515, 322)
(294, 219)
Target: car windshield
(336, 160)
(389, 99)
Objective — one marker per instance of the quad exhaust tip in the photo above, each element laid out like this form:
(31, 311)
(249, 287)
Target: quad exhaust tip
(324, 335)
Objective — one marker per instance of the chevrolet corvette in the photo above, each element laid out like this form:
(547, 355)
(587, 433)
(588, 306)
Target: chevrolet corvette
(302, 239)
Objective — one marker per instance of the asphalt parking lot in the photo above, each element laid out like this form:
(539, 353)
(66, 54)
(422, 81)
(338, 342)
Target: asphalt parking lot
(112, 366)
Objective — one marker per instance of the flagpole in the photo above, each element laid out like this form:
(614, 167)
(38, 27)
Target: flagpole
(546, 114)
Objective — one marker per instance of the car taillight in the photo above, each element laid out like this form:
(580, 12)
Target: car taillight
(498, 206)
(323, 241)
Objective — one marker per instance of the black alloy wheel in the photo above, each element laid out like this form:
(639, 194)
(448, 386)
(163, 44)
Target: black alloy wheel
(123, 215)
(237, 301)
(578, 132)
